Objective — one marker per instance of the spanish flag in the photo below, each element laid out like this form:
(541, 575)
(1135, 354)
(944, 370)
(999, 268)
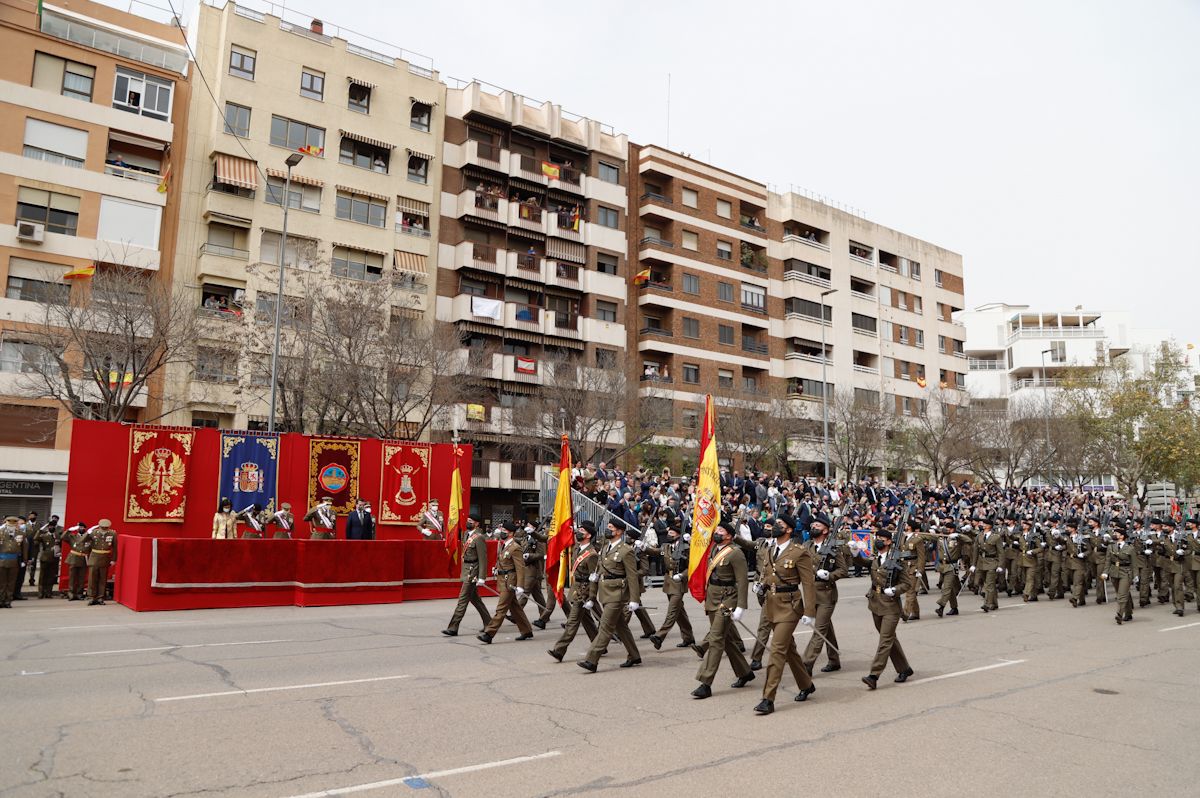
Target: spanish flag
(551, 171)
(165, 182)
(642, 277)
(921, 383)
(562, 526)
(115, 377)
(454, 517)
(310, 149)
(706, 513)
(80, 272)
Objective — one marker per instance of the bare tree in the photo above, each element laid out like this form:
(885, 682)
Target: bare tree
(944, 437)
(858, 432)
(1011, 445)
(757, 427)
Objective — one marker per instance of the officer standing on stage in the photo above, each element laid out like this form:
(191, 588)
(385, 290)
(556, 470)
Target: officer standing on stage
(617, 588)
(101, 553)
(322, 520)
(579, 589)
(78, 540)
(675, 556)
(24, 537)
(47, 545)
(832, 563)
(787, 568)
(10, 553)
(510, 578)
(252, 515)
(474, 566)
(432, 524)
(725, 599)
(889, 579)
(284, 521)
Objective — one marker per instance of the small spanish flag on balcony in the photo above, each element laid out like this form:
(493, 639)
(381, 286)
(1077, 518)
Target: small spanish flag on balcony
(165, 182)
(551, 171)
(115, 376)
(642, 277)
(921, 383)
(310, 149)
(80, 272)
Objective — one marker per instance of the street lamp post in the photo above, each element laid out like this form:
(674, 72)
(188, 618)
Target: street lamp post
(825, 385)
(1046, 397)
(291, 161)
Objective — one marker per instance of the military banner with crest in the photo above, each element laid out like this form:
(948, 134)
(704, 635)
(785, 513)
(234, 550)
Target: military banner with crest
(249, 469)
(333, 472)
(156, 480)
(404, 483)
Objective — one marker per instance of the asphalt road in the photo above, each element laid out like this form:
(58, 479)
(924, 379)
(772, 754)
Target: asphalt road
(1041, 698)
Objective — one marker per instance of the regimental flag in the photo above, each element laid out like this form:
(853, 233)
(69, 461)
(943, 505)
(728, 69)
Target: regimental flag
(157, 473)
(551, 171)
(333, 472)
(81, 272)
(866, 543)
(562, 526)
(404, 489)
(706, 513)
(642, 277)
(454, 515)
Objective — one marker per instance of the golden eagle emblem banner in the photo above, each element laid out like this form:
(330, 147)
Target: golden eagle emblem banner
(156, 482)
(404, 484)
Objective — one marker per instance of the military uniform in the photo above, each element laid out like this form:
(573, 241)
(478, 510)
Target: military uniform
(614, 585)
(322, 522)
(914, 545)
(255, 524)
(990, 548)
(10, 553)
(787, 570)
(1076, 554)
(1013, 577)
(48, 547)
(510, 576)
(642, 555)
(1056, 558)
(1032, 547)
(1120, 567)
(835, 560)
(101, 553)
(949, 551)
(1191, 563)
(224, 526)
(675, 556)
(1172, 554)
(474, 566)
(1146, 567)
(727, 588)
(534, 557)
(25, 532)
(283, 521)
(1098, 559)
(885, 612)
(762, 635)
(578, 589)
(79, 543)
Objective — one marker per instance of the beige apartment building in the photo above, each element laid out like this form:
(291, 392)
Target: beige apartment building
(765, 300)
(93, 100)
(532, 270)
(364, 120)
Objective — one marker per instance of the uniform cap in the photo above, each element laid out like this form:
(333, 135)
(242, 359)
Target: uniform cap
(285, 506)
(822, 518)
(588, 526)
(12, 519)
(914, 523)
(509, 526)
(105, 523)
(728, 527)
(883, 533)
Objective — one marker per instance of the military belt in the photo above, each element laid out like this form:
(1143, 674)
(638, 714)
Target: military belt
(784, 588)
(100, 551)
(502, 572)
(612, 578)
(722, 582)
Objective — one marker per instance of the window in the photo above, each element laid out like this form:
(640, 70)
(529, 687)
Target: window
(294, 309)
(725, 292)
(749, 383)
(20, 358)
(216, 365)
(725, 378)
(918, 338)
(30, 290)
(690, 198)
(691, 327)
(811, 309)
(241, 62)
(300, 251)
(606, 358)
(607, 217)
(724, 209)
(295, 135)
(1058, 351)
(691, 373)
(68, 78)
(691, 240)
(359, 98)
(609, 173)
(418, 169)
(958, 348)
(914, 271)
(142, 94)
(807, 387)
(960, 381)
(691, 419)
(725, 334)
(237, 119)
(357, 264)
(606, 264)
(691, 283)
(937, 277)
(45, 141)
(301, 197)
(942, 344)
(606, 311)
(127, 222)
(312, 84)
(907, 403)
(860, 322)
(420, 115)
(59, 212)
(754, 297)
(724, 250)
(903, 333)
(364, 156)
(867, 397)
(361, 209)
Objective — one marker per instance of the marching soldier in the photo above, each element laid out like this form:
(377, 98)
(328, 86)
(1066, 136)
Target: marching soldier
(949, 551)
(1031, 559)
(889, 579)
(1013, 577)
(1076, 555)
(48, 548)
(1172, 552)
(675, 555)
(578, 590)
(283, 521)
(1120, 565)
(10, 553)
(101, 553)
(225, 521)
(432, 524)
(1146, 569)
(1191, 539)
(322, 520)
(913, 543)
(642, 556)
(77, 538)
(788, 568)
(762, 635)
(989, 561)
(533, 544)
(726, 590)
(510, 576)
(474, 566)
(831, 563)
(1056, 557)
(1098, 557)
(615, 584)
(252, 516)
(31, 530)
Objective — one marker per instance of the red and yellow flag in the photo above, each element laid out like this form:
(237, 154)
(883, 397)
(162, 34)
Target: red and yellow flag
(706, 513)
(454, 517)
(642, 277)
(551, 170)
(562, 527)
(80, 272)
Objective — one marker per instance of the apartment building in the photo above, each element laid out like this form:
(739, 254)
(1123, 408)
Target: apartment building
(532, 270)
(95, 101)
(767, 300)
(361, 123)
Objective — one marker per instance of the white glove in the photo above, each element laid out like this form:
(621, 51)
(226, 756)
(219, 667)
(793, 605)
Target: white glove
(953, 536)
(760, 588)
(520, 591)
(1179, 552)
(1058, 548)
(889, 591)
(634, 606)
(426, 533)
(525, 556)
(1081, 556)
(639, 545)
(999, 570)
(678, 577)
(480, 582)
(687, 538)
(587, 605)
(807, 620)
(822, 573)
(594, 577)
(1104, 576)
(737, 614)
(972, 570)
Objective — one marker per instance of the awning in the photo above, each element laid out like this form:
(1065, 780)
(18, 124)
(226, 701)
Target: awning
(514, 388)
(356, 247)
(366, 84)
(566, 250)
(483, 173)
(301, 179)
(137, 141)
(485, 222)
(423, 101)
(484, 126)
(524, 285)
(412, 206)
(360, 192)
(566, 343)
(485, 277)
(521, 335)
(564, 197)
(346, 134)
(526, 185)
(475, 327)
(521, 231)
(419, 154)
(234, 171)
(412, 263)
(224, 218)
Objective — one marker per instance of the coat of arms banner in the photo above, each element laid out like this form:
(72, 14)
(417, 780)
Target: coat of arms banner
(156, 479)
(333, 472)
(404, 483)
(249, 469)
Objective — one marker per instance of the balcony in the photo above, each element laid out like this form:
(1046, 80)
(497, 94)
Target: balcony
(660, 378)
(522, 369)
(655, 241)
(809, 358)
(865, 369)
(658, 332)
(528, 168)
(527, 217)
(1037, 382)
(224, 251)
(795, 316)
(862, 296)
(526, 265)
(485, 257)
(804, 277)
(568, 180)
(753, 259)
(127, 173)
(752, 308)
(866, 332)
(483, 205)
(523, 317)
(488, 156)
(1055, 332)
(808, 240)
(751, 223)
(564, 324)
(485, 474)
(754, 347)
(653, 196)
(976, 364)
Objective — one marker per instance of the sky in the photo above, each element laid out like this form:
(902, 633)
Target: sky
(1052, 144)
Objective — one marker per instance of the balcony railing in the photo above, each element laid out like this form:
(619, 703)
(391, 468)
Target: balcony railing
(412, 230)
(569, 176)
(484, 254)
(659, 331)
(528, 263)
(866, 369)
(809, 358)
(487, 152)
(976, 364)
(224, 251)
(566, 322)
(654, 195)
(527, 314)
(566, 271)
(866, 332)
(811, 279)
(796, 316)
(658, 285)
(1055, 332)
(655, 378)
(861, 295)
(479, 468)
(657, 242)
(812, 242)
(1037, 382)
(754, 308)
(524, 471)
(750, 224)
(529, 213)
(755, 347)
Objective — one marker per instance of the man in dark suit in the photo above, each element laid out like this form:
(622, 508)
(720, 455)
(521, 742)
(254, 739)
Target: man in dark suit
(360, 524)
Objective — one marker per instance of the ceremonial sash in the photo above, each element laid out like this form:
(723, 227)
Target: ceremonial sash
(433, 521)
(326, 520)
(578, 560)
(282, 519)
(717, 559)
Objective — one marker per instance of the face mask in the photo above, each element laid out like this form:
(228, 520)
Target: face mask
(719, 540)
(778, 531)
(579, 537)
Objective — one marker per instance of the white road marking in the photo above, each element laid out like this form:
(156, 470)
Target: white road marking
(172, 648)
(1001, 664)
(277, 689)
(418, 781)
(33, 673)
(1185, 626)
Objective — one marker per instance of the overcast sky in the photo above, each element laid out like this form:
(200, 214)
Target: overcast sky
(1053, 144)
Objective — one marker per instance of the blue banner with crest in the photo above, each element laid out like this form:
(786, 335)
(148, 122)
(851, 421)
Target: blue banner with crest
(249, 469)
